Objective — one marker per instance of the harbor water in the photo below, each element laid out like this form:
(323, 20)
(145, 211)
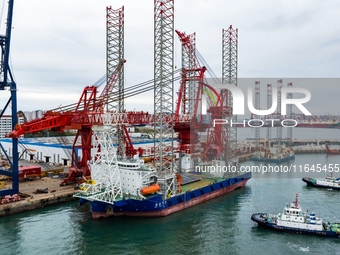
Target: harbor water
(218, 226)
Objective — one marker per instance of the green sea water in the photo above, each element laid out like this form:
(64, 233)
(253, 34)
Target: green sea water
(218, 226)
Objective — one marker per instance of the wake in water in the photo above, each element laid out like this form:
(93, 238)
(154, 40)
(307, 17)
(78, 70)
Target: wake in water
(295, 247)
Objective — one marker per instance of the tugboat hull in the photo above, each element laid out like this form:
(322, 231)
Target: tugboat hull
(261, 219)
(313, 182)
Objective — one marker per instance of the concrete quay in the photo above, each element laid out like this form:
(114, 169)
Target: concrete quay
(309, 150)
(56, 195)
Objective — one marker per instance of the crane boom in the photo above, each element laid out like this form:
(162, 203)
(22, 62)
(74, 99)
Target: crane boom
(88, 112)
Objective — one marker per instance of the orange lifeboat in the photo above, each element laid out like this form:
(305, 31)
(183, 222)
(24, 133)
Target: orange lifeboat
(150, 189)
(147, 160)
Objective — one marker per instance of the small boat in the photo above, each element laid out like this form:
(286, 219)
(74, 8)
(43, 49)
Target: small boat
(332, 151)
(274, 154)
(328, 182)
(294, 220)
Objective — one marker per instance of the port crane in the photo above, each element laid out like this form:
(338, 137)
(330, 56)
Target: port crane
(7, 81)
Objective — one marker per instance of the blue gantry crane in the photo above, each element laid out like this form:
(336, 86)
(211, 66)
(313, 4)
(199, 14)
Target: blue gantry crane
(7, 83)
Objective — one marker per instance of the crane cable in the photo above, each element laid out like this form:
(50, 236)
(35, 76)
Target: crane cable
(128, 92)
(209, 69)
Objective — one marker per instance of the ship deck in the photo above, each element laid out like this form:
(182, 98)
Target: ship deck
(192, 182)
(201, 182)
(335, 227)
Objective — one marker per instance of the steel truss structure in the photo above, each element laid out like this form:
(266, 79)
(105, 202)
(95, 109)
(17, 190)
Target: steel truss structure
(190, 64)
(278, 111)
(7, 81)
(289, 116)
(269, 104)
(163, 83)
(229, 76)
(189, 96)
(106, 184)
(258, 107)
(114, 57)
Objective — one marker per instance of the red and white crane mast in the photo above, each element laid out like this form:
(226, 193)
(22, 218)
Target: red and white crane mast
(269, 105)
(278, 112)
(163, 82)
(289, 115)
(258, 107)
(229, 76)
(189, 94)
(191, 102)
(114, 58)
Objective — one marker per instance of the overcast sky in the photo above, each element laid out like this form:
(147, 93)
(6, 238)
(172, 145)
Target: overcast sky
(58, 47)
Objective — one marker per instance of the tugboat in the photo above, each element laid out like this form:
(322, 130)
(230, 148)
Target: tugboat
(294, 220)
(328, 182)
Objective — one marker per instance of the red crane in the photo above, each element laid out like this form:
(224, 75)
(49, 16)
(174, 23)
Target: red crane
(190, 102)
(87, 113)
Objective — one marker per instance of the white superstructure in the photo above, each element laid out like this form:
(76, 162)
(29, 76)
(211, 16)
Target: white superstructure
(329, 181)
(292, 216)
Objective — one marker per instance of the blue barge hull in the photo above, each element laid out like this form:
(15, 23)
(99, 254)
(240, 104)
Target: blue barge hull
(156, 206)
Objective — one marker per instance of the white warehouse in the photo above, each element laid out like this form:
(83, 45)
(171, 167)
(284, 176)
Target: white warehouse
(42, 149)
